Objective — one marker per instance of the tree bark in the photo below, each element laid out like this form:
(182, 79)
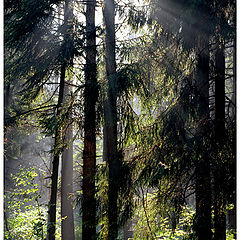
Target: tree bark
(55, 163)
(203, 186)
(89, 152)
(7, 97)
(67, 58)
(110, 121)
(219, 166)
(67, 225)
(232, 212)
(234, 82)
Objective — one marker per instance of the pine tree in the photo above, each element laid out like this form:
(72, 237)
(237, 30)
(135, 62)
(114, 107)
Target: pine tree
(203, 186)
(219, 166)
(110, 121)
(89, 152)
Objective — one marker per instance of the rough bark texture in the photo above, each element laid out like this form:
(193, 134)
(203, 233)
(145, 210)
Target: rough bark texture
(203, 187)
(110, 120)
(55, 164)
(219, 166)
(89, 153)
(234, 79)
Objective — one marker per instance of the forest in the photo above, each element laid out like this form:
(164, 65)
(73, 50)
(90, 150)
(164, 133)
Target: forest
(119, 119)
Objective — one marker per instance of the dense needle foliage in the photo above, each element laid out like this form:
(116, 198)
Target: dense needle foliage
(148, 89)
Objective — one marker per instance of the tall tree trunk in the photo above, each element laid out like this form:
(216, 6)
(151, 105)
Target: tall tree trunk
(67, 58)
(67, 225)
(234, 80)
(203, 186)
(55, 163)
(219, 166)
(110, 121)
(232, 212)
(89, 152)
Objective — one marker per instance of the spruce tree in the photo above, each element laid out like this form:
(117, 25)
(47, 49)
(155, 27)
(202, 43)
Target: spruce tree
(89, 151)
(110, 121)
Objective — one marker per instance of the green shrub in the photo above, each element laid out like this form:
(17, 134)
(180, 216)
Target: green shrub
(27, 217)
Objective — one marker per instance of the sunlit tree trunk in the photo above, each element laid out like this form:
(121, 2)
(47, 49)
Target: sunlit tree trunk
(67, 224)
(110, 121)
(232, 212)
(89, 152)
(67, 56)
(203, 186)
(234, 77)
(219, 166)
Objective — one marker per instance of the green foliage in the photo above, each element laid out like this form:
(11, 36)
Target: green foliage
(158, 132)
(230, 235)
(153, 222)
(26, 215)
(26, 225)
(138, 16)
(22, 17)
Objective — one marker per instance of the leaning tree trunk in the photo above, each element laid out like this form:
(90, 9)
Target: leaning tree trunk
(110, 121)
(89, 152)
(219, 166)
(203, 186)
